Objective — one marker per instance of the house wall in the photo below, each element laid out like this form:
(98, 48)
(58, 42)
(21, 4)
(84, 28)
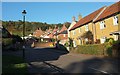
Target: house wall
(72, 24)
(62, 36)
(97, 32)
(79, 32)
(108, 29)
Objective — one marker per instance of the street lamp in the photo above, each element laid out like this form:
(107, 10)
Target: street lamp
(24, 12)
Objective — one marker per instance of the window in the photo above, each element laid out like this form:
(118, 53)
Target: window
(79, 30)
(86, 28)
(115, 20)
(115, 37)
(64, 35)
(86, 39)
(102, 25)
(74, 32)
(102, 39)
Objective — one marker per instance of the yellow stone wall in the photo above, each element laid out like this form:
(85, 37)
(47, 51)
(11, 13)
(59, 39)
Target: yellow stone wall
(79, 32)
(95, 29)
(107, 30)
(110, 27)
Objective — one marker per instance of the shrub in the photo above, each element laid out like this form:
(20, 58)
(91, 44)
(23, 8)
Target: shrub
(11, 43)
(110, 48)
(6, 41)
(52, 40)
(71, 42)
(16, 38)
(97, 49)
(109, 40)
(115, 49)
(66, 44)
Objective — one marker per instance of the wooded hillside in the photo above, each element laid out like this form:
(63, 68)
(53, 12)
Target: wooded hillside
(16, 27)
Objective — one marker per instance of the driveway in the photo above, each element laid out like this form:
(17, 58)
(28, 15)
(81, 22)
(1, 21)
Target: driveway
(50, 60)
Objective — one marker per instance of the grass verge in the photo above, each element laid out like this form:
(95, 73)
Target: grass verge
(13, 64)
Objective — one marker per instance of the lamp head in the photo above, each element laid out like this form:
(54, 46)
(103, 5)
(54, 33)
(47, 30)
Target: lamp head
(24, 12)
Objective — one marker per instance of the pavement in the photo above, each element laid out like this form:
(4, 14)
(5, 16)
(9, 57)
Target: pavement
(50, 60)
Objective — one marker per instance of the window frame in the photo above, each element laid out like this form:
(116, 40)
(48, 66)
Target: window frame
(102, 25)
(73, 32)
(115, 20)
(79, 30)
(86, 27)
(64, 35)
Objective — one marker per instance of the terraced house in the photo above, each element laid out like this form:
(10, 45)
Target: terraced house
(101, 23)
(63, 35)
(107, 24)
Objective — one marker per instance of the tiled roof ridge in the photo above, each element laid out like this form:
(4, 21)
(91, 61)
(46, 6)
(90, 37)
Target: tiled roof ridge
(91, 14)
(100, 13)
(63, 28)
(108, 12)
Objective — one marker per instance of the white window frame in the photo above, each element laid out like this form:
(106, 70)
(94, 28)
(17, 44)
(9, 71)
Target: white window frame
(115, 37)
(86, 27)
(79, 30)
(102, 39)
(102, 25)
(115, 20)
(86, 39)
(73, 32)
(64, 35)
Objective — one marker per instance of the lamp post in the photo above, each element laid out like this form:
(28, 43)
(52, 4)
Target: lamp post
(24, 12)
(56, 35)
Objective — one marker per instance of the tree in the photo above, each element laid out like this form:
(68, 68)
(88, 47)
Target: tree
(30, 26)
(70, 42)
(89, 36)
(67, 24)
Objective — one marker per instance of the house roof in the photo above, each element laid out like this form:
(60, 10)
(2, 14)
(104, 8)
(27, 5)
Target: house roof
(64, 32)
(55, 29)
(50, 35)
(109, 11)
(38, 32)
(63, 29)
(87, 19)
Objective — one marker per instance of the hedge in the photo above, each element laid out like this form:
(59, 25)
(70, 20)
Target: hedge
(7, 41)
(10, 44)
(97, 49)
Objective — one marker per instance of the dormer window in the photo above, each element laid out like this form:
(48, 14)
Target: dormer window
(102, 25)
(115, 20)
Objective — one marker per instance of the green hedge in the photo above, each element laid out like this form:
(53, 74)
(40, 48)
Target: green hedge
(10, 43)
(97, 49)
(109, 48)
(7, 41)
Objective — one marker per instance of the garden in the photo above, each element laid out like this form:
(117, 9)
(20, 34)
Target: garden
(109, 48)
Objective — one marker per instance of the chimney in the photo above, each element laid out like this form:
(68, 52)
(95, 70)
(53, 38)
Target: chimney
(79, 17)
(73, 18)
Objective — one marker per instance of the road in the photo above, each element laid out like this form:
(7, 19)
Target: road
(54, 61)
(49, 60)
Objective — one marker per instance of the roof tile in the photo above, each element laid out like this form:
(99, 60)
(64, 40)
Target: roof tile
(87, 19)
(115, 8)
